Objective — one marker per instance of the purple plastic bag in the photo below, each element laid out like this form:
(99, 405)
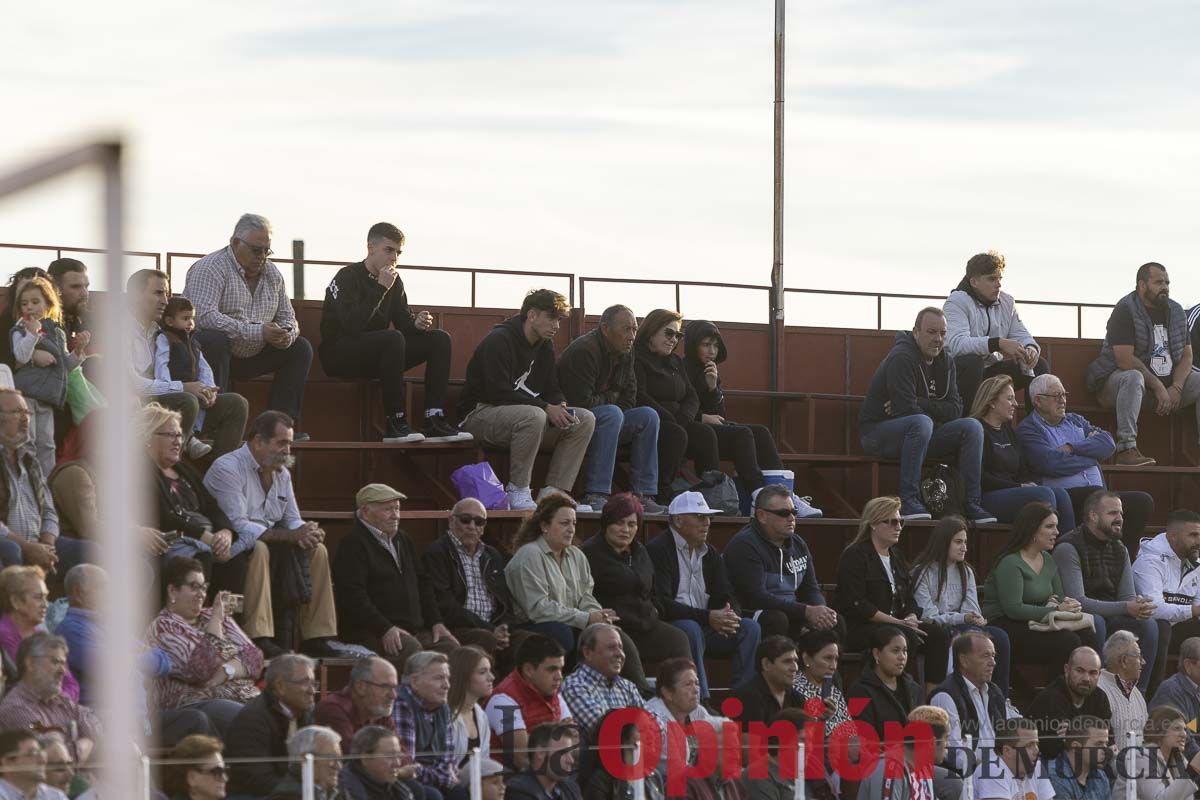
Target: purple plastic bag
(479, 481)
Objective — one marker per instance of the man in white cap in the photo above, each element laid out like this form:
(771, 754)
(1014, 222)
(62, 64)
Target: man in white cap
(491, 774)
(774, 575)
(693, 590)
(383, 602)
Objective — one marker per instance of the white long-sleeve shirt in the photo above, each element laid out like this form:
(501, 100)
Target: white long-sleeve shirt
(1158, 574)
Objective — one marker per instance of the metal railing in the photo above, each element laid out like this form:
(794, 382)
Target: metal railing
(298, 265)
(170, 263)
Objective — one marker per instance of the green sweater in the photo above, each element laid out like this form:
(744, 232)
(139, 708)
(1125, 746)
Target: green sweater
(1014, 591)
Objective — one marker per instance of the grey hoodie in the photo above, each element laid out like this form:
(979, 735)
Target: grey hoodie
(974, 326)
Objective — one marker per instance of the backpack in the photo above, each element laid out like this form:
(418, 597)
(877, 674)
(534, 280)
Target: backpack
(719, 490)
(942, 490)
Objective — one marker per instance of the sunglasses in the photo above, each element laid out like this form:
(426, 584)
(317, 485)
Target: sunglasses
(468, 519)
(672, 334)
(782, 513)
(220, 773)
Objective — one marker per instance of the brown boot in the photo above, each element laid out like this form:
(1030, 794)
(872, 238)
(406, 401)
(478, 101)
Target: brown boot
(1133, 458)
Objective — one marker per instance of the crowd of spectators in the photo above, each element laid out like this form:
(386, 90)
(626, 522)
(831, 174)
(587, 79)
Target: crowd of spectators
(523, 655)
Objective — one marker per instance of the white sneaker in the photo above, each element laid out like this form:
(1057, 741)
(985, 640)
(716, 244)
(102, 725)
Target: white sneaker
(196, 448)
(520, 499)
(805, 509)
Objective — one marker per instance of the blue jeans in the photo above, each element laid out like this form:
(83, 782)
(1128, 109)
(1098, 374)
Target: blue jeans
(637, 427)
(1005, 503)
(914, 437)
(70, 553)
(1145, 629)
(741, 646)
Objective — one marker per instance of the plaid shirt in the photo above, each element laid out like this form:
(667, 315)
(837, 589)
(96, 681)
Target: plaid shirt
(30, 504)
(589, 695)
(435, 758)
(479, 602)
(21, 708)
(216, 285)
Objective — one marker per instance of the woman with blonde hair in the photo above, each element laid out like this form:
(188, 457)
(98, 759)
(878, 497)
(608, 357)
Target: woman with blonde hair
(551, 583)
(663, 384)
(1006, 479)
(24, 601)
(875, 588)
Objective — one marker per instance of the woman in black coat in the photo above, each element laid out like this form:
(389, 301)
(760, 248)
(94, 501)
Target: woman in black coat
(875, 589)
(663, 384)
(892, 694)
(624, 581)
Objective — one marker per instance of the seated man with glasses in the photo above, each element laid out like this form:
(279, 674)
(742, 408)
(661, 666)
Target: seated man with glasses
(245, 322)
(23, 767)
(37, 700)
(773, 573)
(466, 577)
(29, 532)
(384, 603)
(365, 700)
(262, 729)
(1064, 451)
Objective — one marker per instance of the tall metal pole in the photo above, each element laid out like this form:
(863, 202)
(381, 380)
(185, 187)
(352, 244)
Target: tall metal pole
(777, 320)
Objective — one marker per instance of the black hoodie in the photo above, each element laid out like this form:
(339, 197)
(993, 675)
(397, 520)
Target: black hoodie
(356, 303)
(912, 386)
(506, 370)
(712, 401)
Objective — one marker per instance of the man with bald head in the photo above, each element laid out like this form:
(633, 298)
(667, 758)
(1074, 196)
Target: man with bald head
(1069, 696)
(466, 577)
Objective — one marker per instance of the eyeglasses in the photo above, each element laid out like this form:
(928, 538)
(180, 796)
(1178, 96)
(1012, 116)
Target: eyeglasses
(220, 773)
(1058, 397)
(672, 334)
(894, 522)
(310, 683)
(260, 252)
(177, 436)
(20, 412)
(468, 519)
(391, 687)
(55, 661)
(197, 587)
(782, 513)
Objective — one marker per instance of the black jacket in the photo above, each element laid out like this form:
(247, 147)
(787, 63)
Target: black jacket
(194, 497)
(1004, 464)
(712, 401)
(624, 583)
(912, 386)
(1052, 709)
(259, 731)
(590, 374)
(442, 569)
(356, 784)
(506, 370)
(863, 587)
(373, 593)
(524, 786)
(661, 550)
(356, 303)
(768, 577)
(759, 705)
(662, 384)
(885, 705)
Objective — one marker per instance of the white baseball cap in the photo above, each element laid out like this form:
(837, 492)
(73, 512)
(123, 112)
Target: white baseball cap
(690, 503)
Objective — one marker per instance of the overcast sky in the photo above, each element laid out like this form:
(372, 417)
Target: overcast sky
(632, 138)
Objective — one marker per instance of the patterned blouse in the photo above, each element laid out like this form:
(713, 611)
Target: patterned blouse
(808, 689)
(196, 655)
